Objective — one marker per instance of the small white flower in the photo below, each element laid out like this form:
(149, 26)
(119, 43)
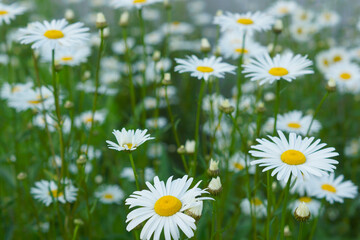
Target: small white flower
(110, 194)
(129, 140)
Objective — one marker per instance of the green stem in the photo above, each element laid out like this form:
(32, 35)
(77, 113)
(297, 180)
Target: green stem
(75, 232)
(316, 111)
(168, 32)
(269, 198)
(301, 227)
(213, 225)
(316, 220)
(197, 125)
(277, 103)
(143, 87)
(284, 208)
(134, 170)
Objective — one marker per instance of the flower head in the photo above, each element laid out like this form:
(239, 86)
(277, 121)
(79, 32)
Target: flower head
(129, 140)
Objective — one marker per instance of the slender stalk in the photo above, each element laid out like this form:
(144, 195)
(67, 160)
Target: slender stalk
(284, 208)
(173, 127)
(277, 103)
(128, 62)
(197, 125)
(316, 220)
(75, 231)
(134, 170)
(213, 225)
(316, 111)
(143, 87)
(97, 74)
(168, 32)
(301, 227)
(268, 209)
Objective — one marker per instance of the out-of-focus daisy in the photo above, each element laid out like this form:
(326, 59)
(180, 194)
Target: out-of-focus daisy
(74, 168)
(71, 56)
(231, 46)
(237, 163)
(328, 19)
(89, 87)
(338, 55)
(256, 204)
(156, 122)
(178, 28)
(47, 192)
(54, 34)
(204, 68)
(313, 205)
(128, 140)
(128, 174)
(249, 22)
(110, 194)
(9, 12)
(163, 208)
(352, 148)
(119, 46)
(302, 31)
(287, 66)
(155, 150)
(295, 156)
(39, 121)
(296, 122)
(334, 189)
(86, 118)
(132, 3)
(8, 90)
(346, 75)
(302, 15)
(282, 8)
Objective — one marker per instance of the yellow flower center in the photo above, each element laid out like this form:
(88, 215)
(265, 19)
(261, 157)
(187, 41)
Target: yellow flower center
(245, 21)
(305, 199)
(326, 62)
(88, 120)
(65, 59)
(55, 193)
(15, 89)
(204, 69)
(329, 188)
(299, 31)
(176, 23)
(241, 50)
(345, 76)
(3, 12)
(294, 125)
(256, 202)
(139, 1)
(337, 58)
(54, 34)
(293, 157)
(108, 196)
(129, 145)
(167, 206)
(35, 101)
(283, 10)
(238, 166)
(278, 71)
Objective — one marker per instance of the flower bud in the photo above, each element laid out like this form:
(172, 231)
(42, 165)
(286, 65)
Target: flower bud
(213, 168)
(167, 79)
(331, 85)
(269, 96)
(21, 176)
(302, 212)
(260, 107)
(106, 32)
(278, 26)
(215, 186)
(190, 146)
(205, 46)
(124, 19)
(287, 231)
(195, 212)
(156, 56)
(167, 4)
(69, 15)
(101, 21)
(81, 160)
(69, 104)
(87, 75)
(98, 179)
(78, 221)
(225, 107)
(181, 150)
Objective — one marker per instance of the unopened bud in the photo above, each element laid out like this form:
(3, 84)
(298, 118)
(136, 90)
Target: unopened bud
(205, 46)
(69, 15)
(81, 160)
(101, 21)
(226, 107)
(156, 56)
(167, 4)
(217, 52)
(215, 186)
(260, 107)
(124, 19)
(195, 212)
(98, 179)
(278, 26)
(269, 96)
(287, 232)
(78, 221)
(69, 104)
(181, 150)
(106, 32)
(331, 85)
(190, 146)
(167, 79)
(21, 176)
(213, 168)
(302, 212)
(87, 75)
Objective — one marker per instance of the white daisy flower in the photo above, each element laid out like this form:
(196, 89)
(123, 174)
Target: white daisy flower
(237, 163)
(128, 140)
(313, 205)
(47, 192)
(39, 121)
(89, 87)
(86, 118)
(74, 168)
(177, 28)
(9, 12)
(163, 208)
(9, 91)
(334, 189)
(70, 56)
(204, 68)
(302, 31)
(265, 69)
(132, 3)
(296, 156)
(282, 8)
(110, 194)
(249, 22)
(303, 15)
(257, 205)
(328, 19)
(346, 75)
(296, 122)
(154, 123)
(54, 34)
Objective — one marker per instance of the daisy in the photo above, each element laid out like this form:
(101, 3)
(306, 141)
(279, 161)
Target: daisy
(302, 31)
(163, 208)
(9, 12)
(177, 28)
(328, 19)
(39, 121)
(313, 205)
(257, 205)
(303, 15)
(346, 75)
(204, 68)
(47, 192)
(265, 69)
(249, 22)
(54, 34)
(11, 90)
(132, 3)
(295, 156)
(128, 140)
(296, 122)
(110, 194)
(237, 163)
(70, 56)
(282, 8)
(86, 118)
(339, 55)
(334, 189)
